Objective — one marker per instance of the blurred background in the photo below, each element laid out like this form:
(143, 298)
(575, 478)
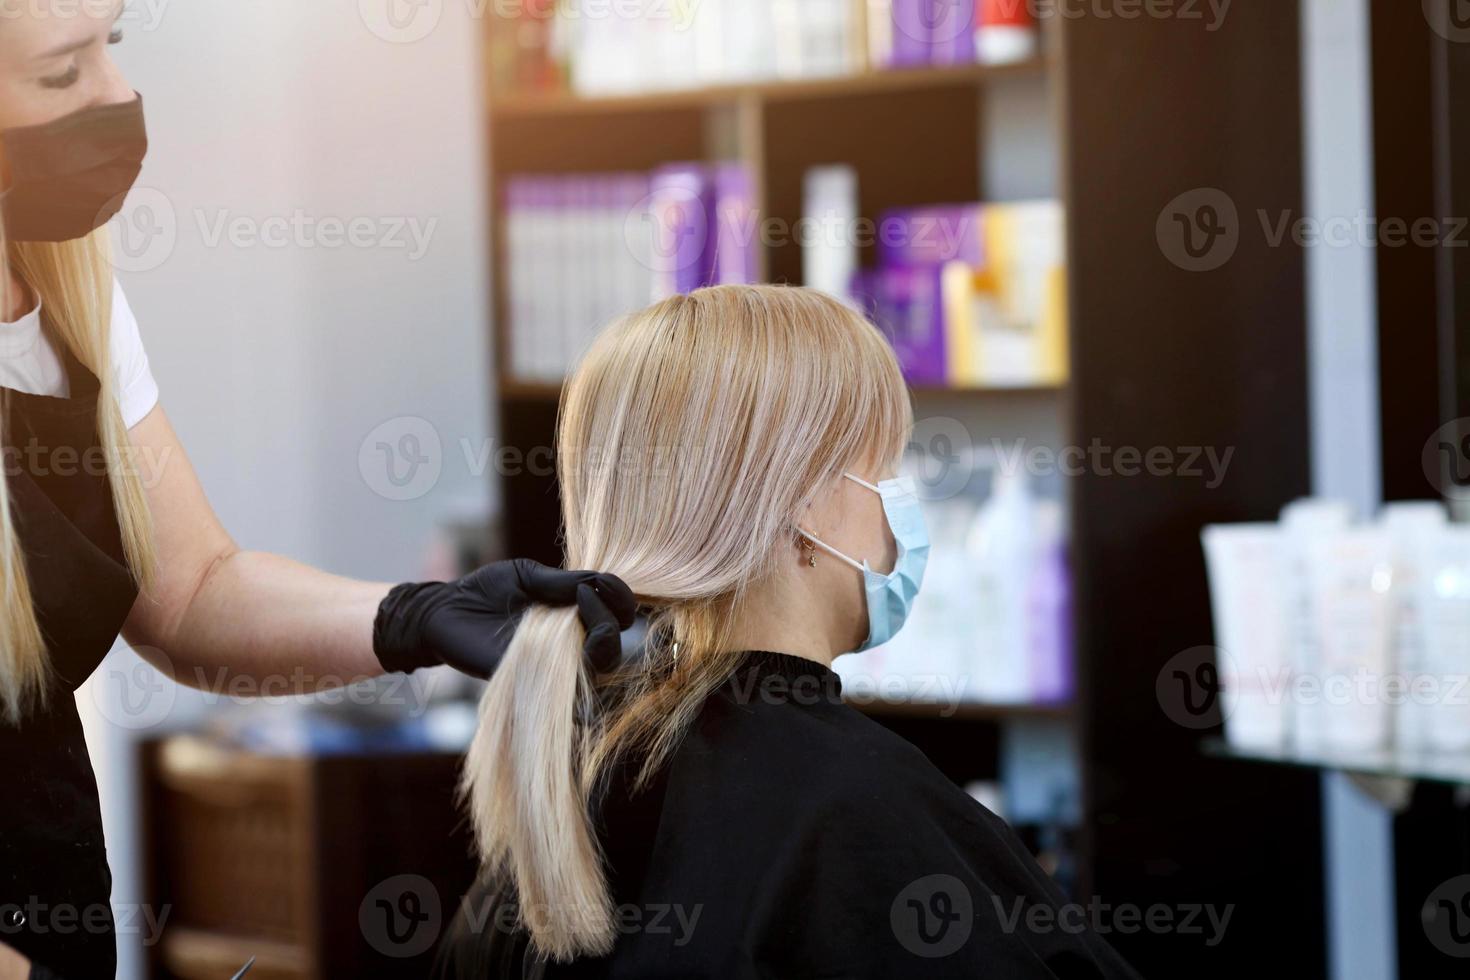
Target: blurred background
(1178, 285)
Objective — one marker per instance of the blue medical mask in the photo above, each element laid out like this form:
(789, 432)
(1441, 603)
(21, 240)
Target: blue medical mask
(890, 597)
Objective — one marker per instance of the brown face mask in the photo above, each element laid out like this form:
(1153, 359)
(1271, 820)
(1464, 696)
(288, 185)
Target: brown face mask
(68, 177)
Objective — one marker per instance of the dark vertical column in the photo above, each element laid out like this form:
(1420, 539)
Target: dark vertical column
(1408, 317)
(1424, 88)
(1451, 108)
(1184, 152)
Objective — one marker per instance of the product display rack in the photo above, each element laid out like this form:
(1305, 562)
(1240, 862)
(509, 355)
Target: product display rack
(1435, 767)
(1160, 356)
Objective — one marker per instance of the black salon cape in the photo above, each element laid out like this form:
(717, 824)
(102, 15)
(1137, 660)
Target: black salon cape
(810, 842)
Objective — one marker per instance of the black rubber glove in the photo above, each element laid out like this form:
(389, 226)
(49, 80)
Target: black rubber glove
(469, 624)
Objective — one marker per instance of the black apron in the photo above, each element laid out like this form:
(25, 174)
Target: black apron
(55, 886)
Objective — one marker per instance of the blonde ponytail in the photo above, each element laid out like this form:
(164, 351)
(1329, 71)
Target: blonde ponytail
(74, 282)
(689, 440)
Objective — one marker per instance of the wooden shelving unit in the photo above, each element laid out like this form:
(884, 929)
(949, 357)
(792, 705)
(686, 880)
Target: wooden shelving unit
(1435, 767)
(1138, 112)
(543, 104)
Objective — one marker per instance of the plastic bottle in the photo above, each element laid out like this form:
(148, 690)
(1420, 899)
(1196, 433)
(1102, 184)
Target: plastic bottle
(1001, 548)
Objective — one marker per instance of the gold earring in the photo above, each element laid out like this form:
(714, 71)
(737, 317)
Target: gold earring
(811, 556)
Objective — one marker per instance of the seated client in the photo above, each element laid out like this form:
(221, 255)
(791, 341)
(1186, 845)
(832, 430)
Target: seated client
(710, 807)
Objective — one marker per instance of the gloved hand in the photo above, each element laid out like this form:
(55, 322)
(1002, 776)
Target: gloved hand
(469, 624)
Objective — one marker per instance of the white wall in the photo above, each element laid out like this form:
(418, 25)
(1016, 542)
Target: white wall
(276, 362)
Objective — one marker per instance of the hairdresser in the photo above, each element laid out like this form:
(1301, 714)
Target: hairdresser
(88, 551)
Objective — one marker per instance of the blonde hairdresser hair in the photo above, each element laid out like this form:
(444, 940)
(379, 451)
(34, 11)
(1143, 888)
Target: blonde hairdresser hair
(691, 438)
(74, 282)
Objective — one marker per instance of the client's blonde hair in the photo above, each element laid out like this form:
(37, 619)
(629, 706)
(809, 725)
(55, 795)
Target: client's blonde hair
(691, 438)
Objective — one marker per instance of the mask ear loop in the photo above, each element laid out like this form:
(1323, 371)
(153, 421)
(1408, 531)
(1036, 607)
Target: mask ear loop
(831, 550)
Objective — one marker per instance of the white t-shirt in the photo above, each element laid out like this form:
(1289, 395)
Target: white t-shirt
(30, 364)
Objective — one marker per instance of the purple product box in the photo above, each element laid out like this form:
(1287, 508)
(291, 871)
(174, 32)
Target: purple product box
(907, 304)
(932, 235)
(933, 32)
(681, 209)
(737, 233)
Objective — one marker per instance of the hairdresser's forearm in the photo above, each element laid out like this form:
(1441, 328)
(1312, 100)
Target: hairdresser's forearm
(214, 613)
(280, 626)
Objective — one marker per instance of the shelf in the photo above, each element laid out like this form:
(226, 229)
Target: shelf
(1430, 767)
(961, 711)
(993, 391)
(518, 390)
(544, 104)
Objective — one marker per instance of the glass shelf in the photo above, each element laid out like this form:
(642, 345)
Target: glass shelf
(1438, 767)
